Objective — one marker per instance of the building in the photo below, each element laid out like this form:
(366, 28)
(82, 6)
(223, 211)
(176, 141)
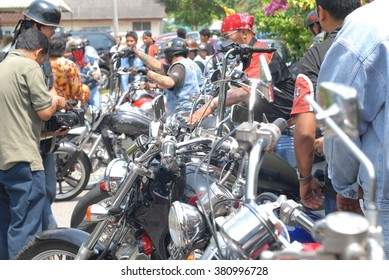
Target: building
(137, 15)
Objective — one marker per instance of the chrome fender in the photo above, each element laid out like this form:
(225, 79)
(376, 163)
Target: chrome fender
(77, 130)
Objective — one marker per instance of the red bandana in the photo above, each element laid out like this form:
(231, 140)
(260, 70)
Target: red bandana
(237, 21)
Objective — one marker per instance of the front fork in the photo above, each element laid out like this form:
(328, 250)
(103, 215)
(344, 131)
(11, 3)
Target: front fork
(87, 247)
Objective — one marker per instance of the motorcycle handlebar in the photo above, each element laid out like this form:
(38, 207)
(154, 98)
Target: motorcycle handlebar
(250, 49)
(281, 124)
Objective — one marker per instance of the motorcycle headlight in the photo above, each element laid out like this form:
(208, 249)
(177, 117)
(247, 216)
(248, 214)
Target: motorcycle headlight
(249, 231)
(114, 174)
(186, 224)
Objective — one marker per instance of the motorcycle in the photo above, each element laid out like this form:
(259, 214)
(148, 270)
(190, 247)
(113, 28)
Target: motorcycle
(98, 155)
(276, 176)
(134, 225)
(106, 135)
(252, 231)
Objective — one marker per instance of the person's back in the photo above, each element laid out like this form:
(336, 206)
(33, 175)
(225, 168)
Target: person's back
(18, 71)
(359, 58)
(89, 71)
(67, 79)
(24, 103)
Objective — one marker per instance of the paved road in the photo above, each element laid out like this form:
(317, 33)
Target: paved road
(63, 210)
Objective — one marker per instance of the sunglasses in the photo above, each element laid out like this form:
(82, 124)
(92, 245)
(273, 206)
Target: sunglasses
(51, 28)
(225, 37)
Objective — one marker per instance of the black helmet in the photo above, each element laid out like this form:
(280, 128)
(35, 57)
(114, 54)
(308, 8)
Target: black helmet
(311, 19)
(176, 46)
(43, 12)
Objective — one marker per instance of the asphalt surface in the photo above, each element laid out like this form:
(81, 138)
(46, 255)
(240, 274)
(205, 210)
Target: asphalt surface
(63, 210)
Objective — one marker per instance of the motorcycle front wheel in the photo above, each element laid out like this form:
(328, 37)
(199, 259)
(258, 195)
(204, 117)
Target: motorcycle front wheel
(48, 250)
(76, 177)
(99, 160)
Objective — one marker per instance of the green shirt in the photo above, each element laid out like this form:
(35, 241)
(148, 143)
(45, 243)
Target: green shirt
(22, 92)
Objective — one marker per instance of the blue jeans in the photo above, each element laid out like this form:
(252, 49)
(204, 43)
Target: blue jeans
(94, 98)
(22, 200)
(51, 190)
(285, 149)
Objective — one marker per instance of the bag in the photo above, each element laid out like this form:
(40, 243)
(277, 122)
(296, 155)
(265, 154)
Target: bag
(71, 118)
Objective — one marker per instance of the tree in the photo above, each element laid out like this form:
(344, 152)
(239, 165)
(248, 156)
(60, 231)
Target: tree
(193, 13)
(284, 20)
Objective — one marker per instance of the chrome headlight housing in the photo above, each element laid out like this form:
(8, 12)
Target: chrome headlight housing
(186, 224)
(115, 173)
(249, 231)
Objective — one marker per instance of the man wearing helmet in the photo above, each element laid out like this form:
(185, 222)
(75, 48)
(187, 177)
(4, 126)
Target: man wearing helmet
(179, 81)
(89, 70)
(239, 28)
(45, 17)
(24, 103)
(313, 25)
(193, 55)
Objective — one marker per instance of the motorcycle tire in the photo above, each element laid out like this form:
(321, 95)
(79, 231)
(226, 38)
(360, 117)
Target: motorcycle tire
(50, 249)
(266, 197)
(99, 161)
(76, 178)
(94, 196)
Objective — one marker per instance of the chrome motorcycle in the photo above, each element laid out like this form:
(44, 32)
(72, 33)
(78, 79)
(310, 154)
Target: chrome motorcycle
(133, 225)
(106, 135)
(252, 231)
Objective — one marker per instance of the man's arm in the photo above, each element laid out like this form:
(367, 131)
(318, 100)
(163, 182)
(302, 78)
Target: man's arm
(151, 62)
(304, 141)
(46, 114)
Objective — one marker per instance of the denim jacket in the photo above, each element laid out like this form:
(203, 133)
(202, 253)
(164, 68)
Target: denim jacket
(180, 98)
(359, 58)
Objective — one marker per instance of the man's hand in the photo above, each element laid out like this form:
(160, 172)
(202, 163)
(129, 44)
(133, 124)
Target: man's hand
(311, 193)
(205, 110)
(142, 70)
(349, 204)
(128, 51)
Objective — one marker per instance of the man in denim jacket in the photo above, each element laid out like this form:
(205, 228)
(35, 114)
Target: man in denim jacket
(359, 58)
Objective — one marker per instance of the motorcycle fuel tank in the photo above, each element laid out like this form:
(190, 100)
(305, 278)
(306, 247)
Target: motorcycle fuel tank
(129, 120)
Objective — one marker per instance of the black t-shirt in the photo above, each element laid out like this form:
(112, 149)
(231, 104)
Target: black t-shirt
(282, 80)
(177, 73)
(313, 58)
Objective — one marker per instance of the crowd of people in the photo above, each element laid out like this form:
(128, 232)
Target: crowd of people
(344, 33)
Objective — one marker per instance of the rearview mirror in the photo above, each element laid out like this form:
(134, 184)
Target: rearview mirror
(158, 107)
(340, 102)
(239, 114)
(265, 86)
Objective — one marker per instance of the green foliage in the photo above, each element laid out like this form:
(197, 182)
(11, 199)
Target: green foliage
(285, 21)
(193, 13)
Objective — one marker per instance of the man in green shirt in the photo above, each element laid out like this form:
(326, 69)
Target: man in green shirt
(24, 103)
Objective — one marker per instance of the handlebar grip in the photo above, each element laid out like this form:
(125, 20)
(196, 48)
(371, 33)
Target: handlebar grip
(281, 124)
(261, 50)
